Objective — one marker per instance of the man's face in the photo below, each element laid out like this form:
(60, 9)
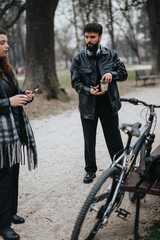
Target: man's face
(92, 40)
(3, 45)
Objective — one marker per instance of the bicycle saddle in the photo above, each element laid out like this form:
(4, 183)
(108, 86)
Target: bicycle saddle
(132, 129)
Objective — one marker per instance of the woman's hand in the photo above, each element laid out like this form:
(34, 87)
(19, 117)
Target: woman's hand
(29, 94)
(18, 100)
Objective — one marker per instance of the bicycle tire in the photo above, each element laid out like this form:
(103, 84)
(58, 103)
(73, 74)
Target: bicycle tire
(86, 225)
(139, 159)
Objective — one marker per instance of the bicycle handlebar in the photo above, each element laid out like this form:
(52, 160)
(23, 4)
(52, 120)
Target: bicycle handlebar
(137, 101)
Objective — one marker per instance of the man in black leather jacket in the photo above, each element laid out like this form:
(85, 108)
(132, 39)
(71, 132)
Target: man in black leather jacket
(92, 66)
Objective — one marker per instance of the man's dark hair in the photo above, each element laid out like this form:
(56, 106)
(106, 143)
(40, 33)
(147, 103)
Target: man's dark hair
(93, 27)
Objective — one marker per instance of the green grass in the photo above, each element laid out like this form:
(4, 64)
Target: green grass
(154, 232)
(131, 76)
(65, 78)
(20, 84)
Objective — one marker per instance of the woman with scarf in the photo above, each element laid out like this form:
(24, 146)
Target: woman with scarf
(16, 141)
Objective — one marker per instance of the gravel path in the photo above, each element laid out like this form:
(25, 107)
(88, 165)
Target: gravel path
(51, 196)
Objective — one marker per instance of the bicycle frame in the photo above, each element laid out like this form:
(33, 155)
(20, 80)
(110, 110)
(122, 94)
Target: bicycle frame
(106, 195)
(126, 156)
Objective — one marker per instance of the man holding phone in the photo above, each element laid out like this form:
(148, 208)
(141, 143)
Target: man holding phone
(90, 68)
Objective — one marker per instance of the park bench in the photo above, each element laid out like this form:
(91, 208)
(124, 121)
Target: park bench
(148, 186)
(141, 75)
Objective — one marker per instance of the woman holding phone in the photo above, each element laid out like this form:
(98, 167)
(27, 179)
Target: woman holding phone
(15, 135)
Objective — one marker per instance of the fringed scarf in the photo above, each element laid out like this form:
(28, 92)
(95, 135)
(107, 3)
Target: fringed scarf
(10, 144)
(12, 151)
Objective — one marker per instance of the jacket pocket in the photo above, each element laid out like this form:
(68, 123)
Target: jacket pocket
(86, 75)
(86, 105)
(106, 67)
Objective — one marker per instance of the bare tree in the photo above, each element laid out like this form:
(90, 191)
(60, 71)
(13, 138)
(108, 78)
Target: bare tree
(108, 18)
(40, 59)
(16, 35)
(10, 12)
(153, 9)
(11, 20)
(110, 24)
(75, 24)
(63, 38)
(129, 31)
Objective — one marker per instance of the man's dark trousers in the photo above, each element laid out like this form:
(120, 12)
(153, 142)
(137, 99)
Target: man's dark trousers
(110, 129)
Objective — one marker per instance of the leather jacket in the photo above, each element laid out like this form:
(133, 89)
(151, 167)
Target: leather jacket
(84, 76)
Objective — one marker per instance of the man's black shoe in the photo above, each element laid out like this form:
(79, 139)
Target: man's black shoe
(8, 234)
(17, 220)
(89, 177)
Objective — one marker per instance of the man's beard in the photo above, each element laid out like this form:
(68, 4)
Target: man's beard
(93, 47)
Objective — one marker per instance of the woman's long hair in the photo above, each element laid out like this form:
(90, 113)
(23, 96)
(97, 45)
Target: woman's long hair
(5, 67)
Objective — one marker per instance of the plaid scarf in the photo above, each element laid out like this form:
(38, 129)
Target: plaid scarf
(11, 149)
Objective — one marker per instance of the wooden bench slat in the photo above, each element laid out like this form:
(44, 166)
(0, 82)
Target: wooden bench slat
(131, 183)
(154, 76)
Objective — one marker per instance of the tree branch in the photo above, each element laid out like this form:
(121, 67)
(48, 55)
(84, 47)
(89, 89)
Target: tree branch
(6, 7)
(20, 11)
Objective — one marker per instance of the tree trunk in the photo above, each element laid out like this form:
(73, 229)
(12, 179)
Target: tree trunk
(40, 56)
(153, 9)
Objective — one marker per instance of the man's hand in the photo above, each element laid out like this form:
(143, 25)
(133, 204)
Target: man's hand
(95, 91)
(18, 100)
(107, 78)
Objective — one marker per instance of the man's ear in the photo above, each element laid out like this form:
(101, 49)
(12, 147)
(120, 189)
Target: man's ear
(100, 37)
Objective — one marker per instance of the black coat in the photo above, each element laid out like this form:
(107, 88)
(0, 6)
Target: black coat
(4, 100)
(84, 76)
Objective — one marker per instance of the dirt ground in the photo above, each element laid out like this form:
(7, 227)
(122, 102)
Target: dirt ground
(51, 196)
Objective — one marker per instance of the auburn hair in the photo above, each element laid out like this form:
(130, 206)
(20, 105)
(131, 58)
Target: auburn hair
(5, 66)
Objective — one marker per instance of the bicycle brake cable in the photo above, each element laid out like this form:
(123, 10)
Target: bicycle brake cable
(155, 122)
(145, 117)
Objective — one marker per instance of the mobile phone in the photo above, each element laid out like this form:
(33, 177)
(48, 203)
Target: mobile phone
(35, 90)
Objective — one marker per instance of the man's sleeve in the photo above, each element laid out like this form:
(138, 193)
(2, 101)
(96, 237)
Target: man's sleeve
(119, 72)
(76, 80)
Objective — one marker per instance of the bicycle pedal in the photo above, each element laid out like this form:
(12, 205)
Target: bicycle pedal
(122, 213)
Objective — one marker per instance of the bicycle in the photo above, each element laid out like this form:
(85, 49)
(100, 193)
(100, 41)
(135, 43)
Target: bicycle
(106, 195)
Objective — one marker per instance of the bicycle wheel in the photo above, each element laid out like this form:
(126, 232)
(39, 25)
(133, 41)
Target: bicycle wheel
(139, 159)
(90, 217)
